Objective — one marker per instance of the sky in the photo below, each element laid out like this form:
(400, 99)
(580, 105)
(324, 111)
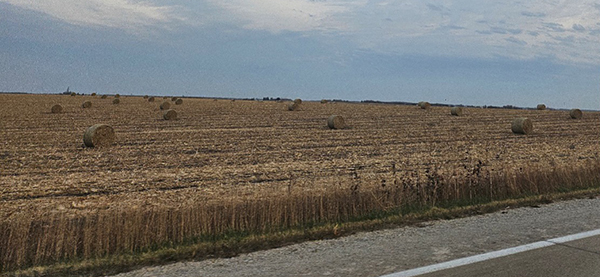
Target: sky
(469, 52)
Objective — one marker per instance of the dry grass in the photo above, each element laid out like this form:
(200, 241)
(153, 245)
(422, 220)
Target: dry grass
(192, 180)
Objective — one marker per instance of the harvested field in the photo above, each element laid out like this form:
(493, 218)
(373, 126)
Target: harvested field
(221, 155)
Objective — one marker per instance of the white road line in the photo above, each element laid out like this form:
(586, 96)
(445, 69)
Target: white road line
(492, 255)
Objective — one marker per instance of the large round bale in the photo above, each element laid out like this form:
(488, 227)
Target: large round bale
(73, 94)
(456, 111)
(576, 114)
(104, 96)
(117, 95)
(165, 105)
(173, 99)
(150, 99)
(86, 104)
(179, 101)
(293, 106)
(541, 107)
(298, 101)
(424, 105)
(99, 135)
(145, 96)
(522, 125)
(170, 115)
(116, 101)
(93, 94)
(323, 101)
(57, 108)
(336, 122)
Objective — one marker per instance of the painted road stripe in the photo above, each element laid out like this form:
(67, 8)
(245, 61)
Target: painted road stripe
(492, 255)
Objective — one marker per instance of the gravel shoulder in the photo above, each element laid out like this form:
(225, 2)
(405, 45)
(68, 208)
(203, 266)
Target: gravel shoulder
(387, 251)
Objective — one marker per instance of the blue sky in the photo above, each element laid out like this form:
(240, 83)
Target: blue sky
(455, 52)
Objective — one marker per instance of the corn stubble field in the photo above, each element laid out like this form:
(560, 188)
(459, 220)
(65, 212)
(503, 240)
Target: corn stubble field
(250, 166)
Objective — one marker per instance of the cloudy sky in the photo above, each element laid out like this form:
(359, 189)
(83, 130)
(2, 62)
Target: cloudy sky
(447, 51)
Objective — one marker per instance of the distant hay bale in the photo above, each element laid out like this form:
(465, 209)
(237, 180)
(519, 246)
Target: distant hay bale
(99, 135)
(117, 95)
(179, 101)
(57, 108)
(541, 107)
(522, 125)
(86, 104)
(116, 101)
(173, 99)
(456, 111)
(323, 101)
(298, 101)
(424, 105)
(165, 97)
(73, 94)
(293, 106)
(93, 94)
(336, 122)
(145, 96)
(170, 115)
(165, 105)
(576, 114)
(151, 99)
(103, 97)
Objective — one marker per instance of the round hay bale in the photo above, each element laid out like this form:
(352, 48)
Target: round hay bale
(179, 101)
(73, 94)
(424, 105)
(145, 96)
(173, 99)
(151, 99)
(117, 95)
(336, 122)
(93, 94)
(541, 107)
(99, 135)
(293, 106)
(576, 114)
(165, 105)
(298, 101)
(323, 101)
(103, 97)
(170, 115)
(86, 104)
(116, 101)
(522, 125)
(165, 97)
(57, 108)
(456, 111)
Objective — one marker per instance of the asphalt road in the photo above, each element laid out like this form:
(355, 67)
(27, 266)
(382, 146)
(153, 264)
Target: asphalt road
(390, 251)
(549, 258)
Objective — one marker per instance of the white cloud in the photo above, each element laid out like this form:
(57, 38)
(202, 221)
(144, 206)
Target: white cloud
(122, 14)
(288, 15)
